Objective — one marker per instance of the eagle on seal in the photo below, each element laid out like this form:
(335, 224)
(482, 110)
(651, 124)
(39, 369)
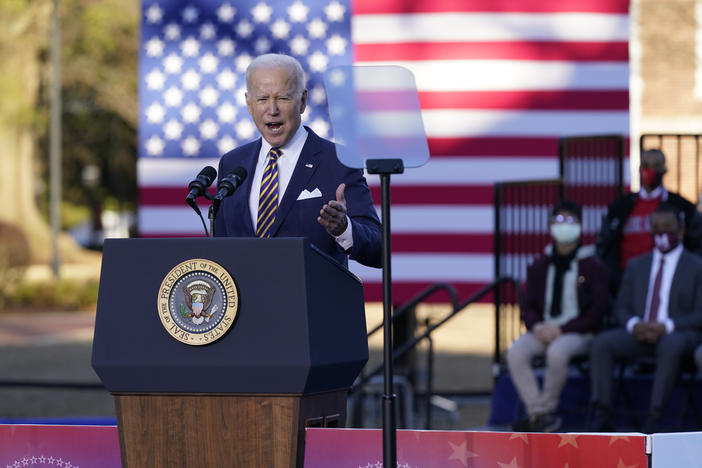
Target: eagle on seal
(198, 297)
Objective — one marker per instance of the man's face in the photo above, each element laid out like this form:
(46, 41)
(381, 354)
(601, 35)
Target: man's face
(653, 160)
(665, 222)
(274, 105)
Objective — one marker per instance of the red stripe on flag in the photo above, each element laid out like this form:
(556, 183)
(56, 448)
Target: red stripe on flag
(527, 100)
(526, 50)
(402, 292)
(364, 7)
(508, 100)
(442, 243)
(538, 147)
(437, 194)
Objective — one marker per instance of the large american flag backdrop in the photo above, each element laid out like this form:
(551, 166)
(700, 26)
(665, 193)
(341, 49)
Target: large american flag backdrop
(499, 82)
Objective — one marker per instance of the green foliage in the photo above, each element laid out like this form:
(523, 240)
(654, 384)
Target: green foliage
(54, 295)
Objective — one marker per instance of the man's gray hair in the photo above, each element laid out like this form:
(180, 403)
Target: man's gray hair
(274, 61)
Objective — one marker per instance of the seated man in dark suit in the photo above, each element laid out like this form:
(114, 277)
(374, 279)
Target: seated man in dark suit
(659, 307)
(566, 297)
(293, 172)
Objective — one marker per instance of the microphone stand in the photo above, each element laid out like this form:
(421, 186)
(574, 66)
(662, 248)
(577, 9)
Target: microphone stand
(385, 167)
(212, 213)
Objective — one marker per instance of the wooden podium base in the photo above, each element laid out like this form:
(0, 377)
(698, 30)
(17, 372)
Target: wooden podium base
(206, 430)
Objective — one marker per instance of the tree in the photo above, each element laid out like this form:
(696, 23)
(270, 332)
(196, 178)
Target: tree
(24, 26)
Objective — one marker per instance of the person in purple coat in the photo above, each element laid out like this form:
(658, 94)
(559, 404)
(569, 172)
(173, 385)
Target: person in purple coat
(566, 298)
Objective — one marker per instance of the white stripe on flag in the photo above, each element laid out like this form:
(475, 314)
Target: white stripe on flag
(455, 27)
(514, 75)
(469, 123)
(475, 171)
(405, 219)
(164, 172)
(432, 268)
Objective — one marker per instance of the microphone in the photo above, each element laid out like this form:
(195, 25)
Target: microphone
(198, 186)
(229, 183)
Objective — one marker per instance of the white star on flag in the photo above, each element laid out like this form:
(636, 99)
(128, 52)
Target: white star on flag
(226, 13)
(191, 113)
(208, 63)
(154, 14)
(299, 45)
(172, 130)
(190, 47)
(208, 129)
(172, 32)
(262, 13)
(207, 31)
(172, 63)
(173, 96)
(155, 113)
(155, 80)
(191, 146)
(226, 113)
(225, 47)
(318, 62)
(244, 129)
(190, 80)
(336, 45)
(209, 96)
(154, 47)
(298, 12)
(190, 14)
(244, 29)
(335, 11)
(225, 144)
(317, 28)
(226, 79)
(154, 146)
(280, 29)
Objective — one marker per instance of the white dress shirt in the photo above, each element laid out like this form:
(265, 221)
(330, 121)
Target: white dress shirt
(286, 166)
(669, 266)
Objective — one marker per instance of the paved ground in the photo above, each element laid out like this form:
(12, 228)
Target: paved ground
(51, 351)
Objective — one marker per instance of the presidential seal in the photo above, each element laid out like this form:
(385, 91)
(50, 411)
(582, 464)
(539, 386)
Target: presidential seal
(198, 302)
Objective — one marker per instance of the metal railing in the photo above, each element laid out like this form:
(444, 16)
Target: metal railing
(358, 387)
(682, 152)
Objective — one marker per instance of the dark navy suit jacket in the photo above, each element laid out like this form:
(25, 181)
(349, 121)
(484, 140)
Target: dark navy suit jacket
(317, 168)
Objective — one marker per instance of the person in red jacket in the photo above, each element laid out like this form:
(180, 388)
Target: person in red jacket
(566, 298)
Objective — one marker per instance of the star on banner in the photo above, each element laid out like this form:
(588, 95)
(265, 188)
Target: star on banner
(512, 464)
(613, 439)
(461, 452)
(622, 465)
(520, 435)
(568, 439)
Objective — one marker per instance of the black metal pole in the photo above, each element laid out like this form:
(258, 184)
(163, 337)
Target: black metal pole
(389, 427)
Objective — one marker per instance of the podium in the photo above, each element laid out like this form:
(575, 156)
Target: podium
(295, 346)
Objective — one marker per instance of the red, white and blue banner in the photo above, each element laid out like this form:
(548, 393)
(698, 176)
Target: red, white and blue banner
(499, 82)
(362, 448)
(59, 446)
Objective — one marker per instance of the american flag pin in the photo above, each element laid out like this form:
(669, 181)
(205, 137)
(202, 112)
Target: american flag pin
(308, 165)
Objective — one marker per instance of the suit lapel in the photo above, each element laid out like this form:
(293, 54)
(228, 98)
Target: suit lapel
(306, 166)
(251, 160)
(676, 283)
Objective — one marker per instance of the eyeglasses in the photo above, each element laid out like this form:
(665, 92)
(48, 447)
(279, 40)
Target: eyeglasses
(561, 218)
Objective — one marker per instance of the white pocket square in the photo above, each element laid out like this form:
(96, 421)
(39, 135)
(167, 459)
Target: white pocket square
(306, 194)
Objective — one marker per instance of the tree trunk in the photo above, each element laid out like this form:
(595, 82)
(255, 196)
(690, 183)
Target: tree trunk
(24, 33)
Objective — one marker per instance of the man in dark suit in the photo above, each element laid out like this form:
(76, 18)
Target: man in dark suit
(292, 171)
(659, 307)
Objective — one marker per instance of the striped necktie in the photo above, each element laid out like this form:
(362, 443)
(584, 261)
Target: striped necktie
(268, 197)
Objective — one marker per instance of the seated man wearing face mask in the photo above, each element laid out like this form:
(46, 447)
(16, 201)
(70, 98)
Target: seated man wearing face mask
(565, 299)
(625, 228)
(659, 309)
